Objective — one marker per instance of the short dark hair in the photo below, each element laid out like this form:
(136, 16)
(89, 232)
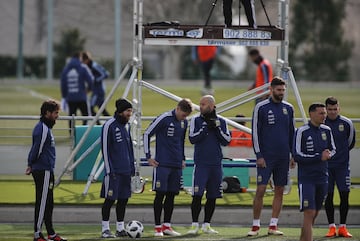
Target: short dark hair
(313, 106)
(85, 55)
(49, 105)
(254, 52)
(185, 105)
(331, 101)
(277, 81)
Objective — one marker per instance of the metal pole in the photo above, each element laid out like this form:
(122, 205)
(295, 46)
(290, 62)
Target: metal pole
(117, 31)
(20, 60)
(49, 60)
(87, 132)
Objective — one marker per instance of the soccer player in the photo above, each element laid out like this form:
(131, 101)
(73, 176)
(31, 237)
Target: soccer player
(313, 148)
(76, 81)
(118, 155)
(208, 132)
(170, 129)
(41, 164)
(272, 131)
(98, 92)
(339, 166)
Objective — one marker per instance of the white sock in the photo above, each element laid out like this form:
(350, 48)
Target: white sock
(167, 225)
(342, 225)
(332, 225)
(195, 224)
(120, 226)
(105, 225)
(273, 221)
(204, 225)
(256, 222)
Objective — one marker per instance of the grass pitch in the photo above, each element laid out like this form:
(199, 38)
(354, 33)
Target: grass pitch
(78, 232)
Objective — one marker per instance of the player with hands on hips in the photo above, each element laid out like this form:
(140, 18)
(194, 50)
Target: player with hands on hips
(170, 129)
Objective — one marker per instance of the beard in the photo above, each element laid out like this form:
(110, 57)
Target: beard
(123, 119)
(278, 97)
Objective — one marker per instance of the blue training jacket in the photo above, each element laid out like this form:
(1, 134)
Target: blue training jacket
(42, 154)
(170, 138)
(117, 147)
(208, 142)
(343, 131)
(100, 74)
(273, 129)
(309, 143)
(73, 79)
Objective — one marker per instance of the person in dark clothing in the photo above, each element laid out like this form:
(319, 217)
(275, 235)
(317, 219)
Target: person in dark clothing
(76, 81)
(118, 155)
(98, 91)
(41, 164)
(249, 11)
(343, 131)
(169, 129)
(208, 133)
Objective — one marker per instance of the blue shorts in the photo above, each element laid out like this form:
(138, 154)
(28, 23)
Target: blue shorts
(312, 196)
(116, 186)
(209, 179)
(166, 179)
(279, 170)
(340, 176)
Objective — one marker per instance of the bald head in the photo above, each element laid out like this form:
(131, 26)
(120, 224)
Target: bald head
(207, 104)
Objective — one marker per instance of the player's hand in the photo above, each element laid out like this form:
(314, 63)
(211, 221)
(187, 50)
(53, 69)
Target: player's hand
(292, 163)
(153, 162)
(261, 163)
(28, 171)
(183, 164)
(326, 155)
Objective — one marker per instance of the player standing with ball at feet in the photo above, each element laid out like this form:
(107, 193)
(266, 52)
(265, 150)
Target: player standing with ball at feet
(118, 155)
(170, 129)
(41, 164)
(272, 131)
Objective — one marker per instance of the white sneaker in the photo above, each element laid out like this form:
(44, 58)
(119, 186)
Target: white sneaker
(158, 232)
(107, 234)
(194, 230)
(207, 229)
(274, 231)
(169, 231)
(254, 231)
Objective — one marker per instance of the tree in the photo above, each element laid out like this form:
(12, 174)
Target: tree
(70, 42)
(318, 50)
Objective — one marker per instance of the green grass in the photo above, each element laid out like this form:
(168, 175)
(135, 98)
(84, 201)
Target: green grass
(70, 193)
(25, 99)
(78, 232)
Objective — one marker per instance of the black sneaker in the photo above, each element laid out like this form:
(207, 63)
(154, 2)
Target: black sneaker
(121, 233)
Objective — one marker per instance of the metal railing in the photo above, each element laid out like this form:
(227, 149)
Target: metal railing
(17, 129)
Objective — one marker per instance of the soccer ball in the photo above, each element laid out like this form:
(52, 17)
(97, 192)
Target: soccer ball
(134, 229)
